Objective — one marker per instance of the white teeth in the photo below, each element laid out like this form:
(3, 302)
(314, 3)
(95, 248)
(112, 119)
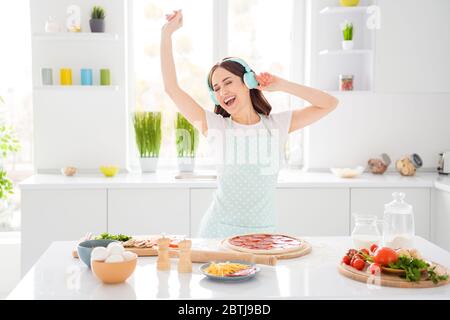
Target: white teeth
(228, 99)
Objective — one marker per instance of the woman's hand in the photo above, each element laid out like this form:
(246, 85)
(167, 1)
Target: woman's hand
(174, 22)
(269, 82)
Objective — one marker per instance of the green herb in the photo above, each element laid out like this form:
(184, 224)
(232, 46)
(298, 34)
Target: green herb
(347, 30)
(433, 276)
(107, 236)
(414, 267)
(147, 127)
(186, 137)
(97, 13)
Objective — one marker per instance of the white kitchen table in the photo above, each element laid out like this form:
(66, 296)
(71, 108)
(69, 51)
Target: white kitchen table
(57, 275)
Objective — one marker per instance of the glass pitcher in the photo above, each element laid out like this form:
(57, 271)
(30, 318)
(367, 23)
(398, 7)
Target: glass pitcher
(365, 232)
(398, 226)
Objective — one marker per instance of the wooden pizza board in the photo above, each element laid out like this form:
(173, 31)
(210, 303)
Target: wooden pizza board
(304, 250)
(385, 279)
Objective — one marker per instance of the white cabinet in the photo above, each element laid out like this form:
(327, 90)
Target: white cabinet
(201, 199)
(313, 212)
(440, 220)
(372, 201)
(148, 211)
(301, 211)
(53, 215)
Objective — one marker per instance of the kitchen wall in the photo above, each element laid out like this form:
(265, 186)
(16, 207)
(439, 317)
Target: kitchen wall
(367, 124)
(409, 109)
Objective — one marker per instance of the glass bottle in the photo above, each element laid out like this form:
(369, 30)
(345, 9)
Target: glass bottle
(398, 228)
(365, 232)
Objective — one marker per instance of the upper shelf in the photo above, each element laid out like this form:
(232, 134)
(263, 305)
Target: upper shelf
(360, 9)
(355, 51)
(78, 36)
(77, 87)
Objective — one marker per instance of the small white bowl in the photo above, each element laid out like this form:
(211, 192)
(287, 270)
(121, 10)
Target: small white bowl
(348, 172)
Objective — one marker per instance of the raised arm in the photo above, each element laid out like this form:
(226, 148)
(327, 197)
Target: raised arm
(321, 102)
(187, 106)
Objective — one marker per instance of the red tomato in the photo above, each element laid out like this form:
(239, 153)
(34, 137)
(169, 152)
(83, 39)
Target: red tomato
(383, 256)
(358, 264)
(374, 268)
(373, 248)
(346, 260)
(364, 250)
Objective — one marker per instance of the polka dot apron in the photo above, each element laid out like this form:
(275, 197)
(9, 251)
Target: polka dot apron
(244, 201)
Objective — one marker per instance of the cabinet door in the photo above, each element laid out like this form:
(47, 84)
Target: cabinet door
(201, 199)
(313, 212)
(54, 215)
(372, 201)
(148, 211)
(440, 221)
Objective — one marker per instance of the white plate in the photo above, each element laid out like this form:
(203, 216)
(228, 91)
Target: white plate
(228, 278)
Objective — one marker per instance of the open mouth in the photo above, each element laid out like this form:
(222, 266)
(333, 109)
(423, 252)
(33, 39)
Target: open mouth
(229, 101)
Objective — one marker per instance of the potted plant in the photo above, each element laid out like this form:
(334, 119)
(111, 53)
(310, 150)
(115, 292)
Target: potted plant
(186, 143)
(347, 31)
(97, 22)
(147, 127)
(8, 143)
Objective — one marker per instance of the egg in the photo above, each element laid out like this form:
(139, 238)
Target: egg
(114, 258)
(99, 254)
(128, 255)
(115, 248)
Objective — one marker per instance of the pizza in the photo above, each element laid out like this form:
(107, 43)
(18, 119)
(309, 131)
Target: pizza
(264, 243)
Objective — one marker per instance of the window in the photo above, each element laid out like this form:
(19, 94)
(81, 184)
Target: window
(252, 31)
(192, 46)
(16, 109)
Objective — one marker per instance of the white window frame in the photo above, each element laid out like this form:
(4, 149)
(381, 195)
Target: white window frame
(220, 50)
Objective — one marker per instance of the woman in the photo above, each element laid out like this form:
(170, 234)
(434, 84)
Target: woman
(244, 201)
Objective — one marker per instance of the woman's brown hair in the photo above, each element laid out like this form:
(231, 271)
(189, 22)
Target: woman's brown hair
(259, 102)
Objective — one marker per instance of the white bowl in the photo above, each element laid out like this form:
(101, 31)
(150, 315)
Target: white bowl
(348, 172)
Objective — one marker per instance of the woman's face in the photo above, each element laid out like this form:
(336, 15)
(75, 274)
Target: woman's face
(230, 91)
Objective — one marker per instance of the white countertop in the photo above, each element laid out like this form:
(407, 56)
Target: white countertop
(57, 275)
(287, 179)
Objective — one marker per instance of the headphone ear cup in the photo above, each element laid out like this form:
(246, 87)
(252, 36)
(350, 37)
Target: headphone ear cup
(213, 97)
(250, 80)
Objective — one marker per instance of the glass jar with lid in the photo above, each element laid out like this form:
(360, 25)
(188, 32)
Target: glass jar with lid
(365, 232)
(345, 82)
(398, 227)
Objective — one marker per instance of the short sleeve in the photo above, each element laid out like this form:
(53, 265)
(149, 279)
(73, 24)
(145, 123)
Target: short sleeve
(282, 122)
(214, 122)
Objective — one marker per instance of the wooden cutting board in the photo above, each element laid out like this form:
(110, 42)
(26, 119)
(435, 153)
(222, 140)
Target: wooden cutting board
(304, 250)
(205, 256)
(385, 279)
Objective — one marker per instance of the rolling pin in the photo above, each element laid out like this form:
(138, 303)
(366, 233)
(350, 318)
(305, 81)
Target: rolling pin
(208, 256)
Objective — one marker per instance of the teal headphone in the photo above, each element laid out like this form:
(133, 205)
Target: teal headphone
(249, 78)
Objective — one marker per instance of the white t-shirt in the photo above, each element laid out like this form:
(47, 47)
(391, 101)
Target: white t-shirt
(262, 138)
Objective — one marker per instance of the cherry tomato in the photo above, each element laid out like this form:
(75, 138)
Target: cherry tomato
(375, 268)
(384, 255)
(358, 264)
(346, 260)
(373, 247)
(364, 250)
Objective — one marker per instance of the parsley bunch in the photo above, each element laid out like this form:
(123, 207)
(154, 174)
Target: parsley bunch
(119, 237)
(413, 268)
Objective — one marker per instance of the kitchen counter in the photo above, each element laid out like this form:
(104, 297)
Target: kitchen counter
(56, 275)
(287, 179)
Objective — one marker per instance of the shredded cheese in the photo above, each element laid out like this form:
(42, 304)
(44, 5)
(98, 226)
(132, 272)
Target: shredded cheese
(224, 268)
